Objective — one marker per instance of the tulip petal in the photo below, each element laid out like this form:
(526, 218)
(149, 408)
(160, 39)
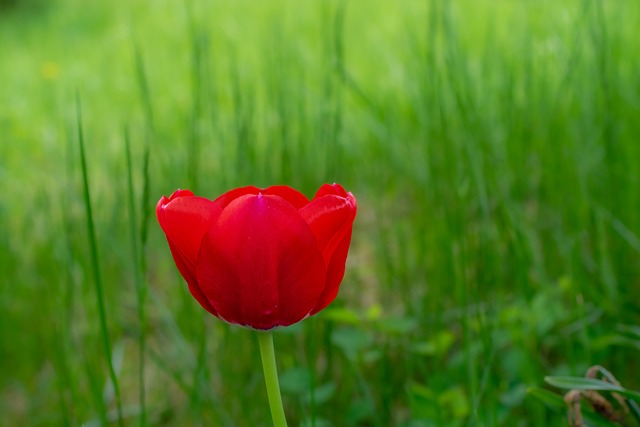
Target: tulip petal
(188, 275)
(335, 273)
(335, 189)
(331, 217)
(223, 200)
(259, 265)
(296, 198)
(293, 196)
(185, 219)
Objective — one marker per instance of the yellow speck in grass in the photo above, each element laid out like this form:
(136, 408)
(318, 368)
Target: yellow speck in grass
(49, 70)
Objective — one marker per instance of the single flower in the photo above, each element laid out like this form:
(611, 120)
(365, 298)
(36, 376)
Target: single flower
(260, 258)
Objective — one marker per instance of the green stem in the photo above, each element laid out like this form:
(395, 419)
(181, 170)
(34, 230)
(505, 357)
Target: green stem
(271, 378)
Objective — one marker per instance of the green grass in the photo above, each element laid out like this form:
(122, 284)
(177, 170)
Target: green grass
(493, 148)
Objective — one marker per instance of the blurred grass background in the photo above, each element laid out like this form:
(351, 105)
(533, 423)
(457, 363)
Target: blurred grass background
(493, 147)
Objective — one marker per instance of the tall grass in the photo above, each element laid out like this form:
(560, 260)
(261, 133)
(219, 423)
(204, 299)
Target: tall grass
(97, 274)
(492, 147)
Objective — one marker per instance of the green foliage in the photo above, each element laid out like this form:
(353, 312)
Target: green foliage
(583, 386)
(577, 383)
(492, 147)
(555, 402)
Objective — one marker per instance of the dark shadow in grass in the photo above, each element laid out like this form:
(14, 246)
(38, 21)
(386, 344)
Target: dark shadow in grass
(24, 9)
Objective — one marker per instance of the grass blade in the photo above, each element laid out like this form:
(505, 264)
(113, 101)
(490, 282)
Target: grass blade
(95, 263)
(139, 278)
(577, 383)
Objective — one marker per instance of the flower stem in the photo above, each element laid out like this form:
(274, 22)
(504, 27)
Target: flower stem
(271, 378)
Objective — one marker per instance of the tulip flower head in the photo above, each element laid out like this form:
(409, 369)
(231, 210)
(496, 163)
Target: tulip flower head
(260, 258)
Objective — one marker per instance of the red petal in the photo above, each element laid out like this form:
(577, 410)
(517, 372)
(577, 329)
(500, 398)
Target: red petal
(296, 198)
(185, 219)
(228, 197)
(331, 219)
(335, 189)
(188, 272)
(259, 264)
(293, 196)
(335, 273)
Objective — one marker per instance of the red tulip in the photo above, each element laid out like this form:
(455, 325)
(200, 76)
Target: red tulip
(260, 258)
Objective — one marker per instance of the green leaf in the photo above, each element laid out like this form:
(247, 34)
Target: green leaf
(317, 422)
(360, 410)
(423, 402)
(342, 315)
(322, 393)
(374, 312)
(397, 325)
(578, 383)
(351, 340)
(455, 401)
(550, 399)
(514, 396)
(439, 345)
(295, 381)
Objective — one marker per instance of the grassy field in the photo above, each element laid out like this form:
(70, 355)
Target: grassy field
(493, 146)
